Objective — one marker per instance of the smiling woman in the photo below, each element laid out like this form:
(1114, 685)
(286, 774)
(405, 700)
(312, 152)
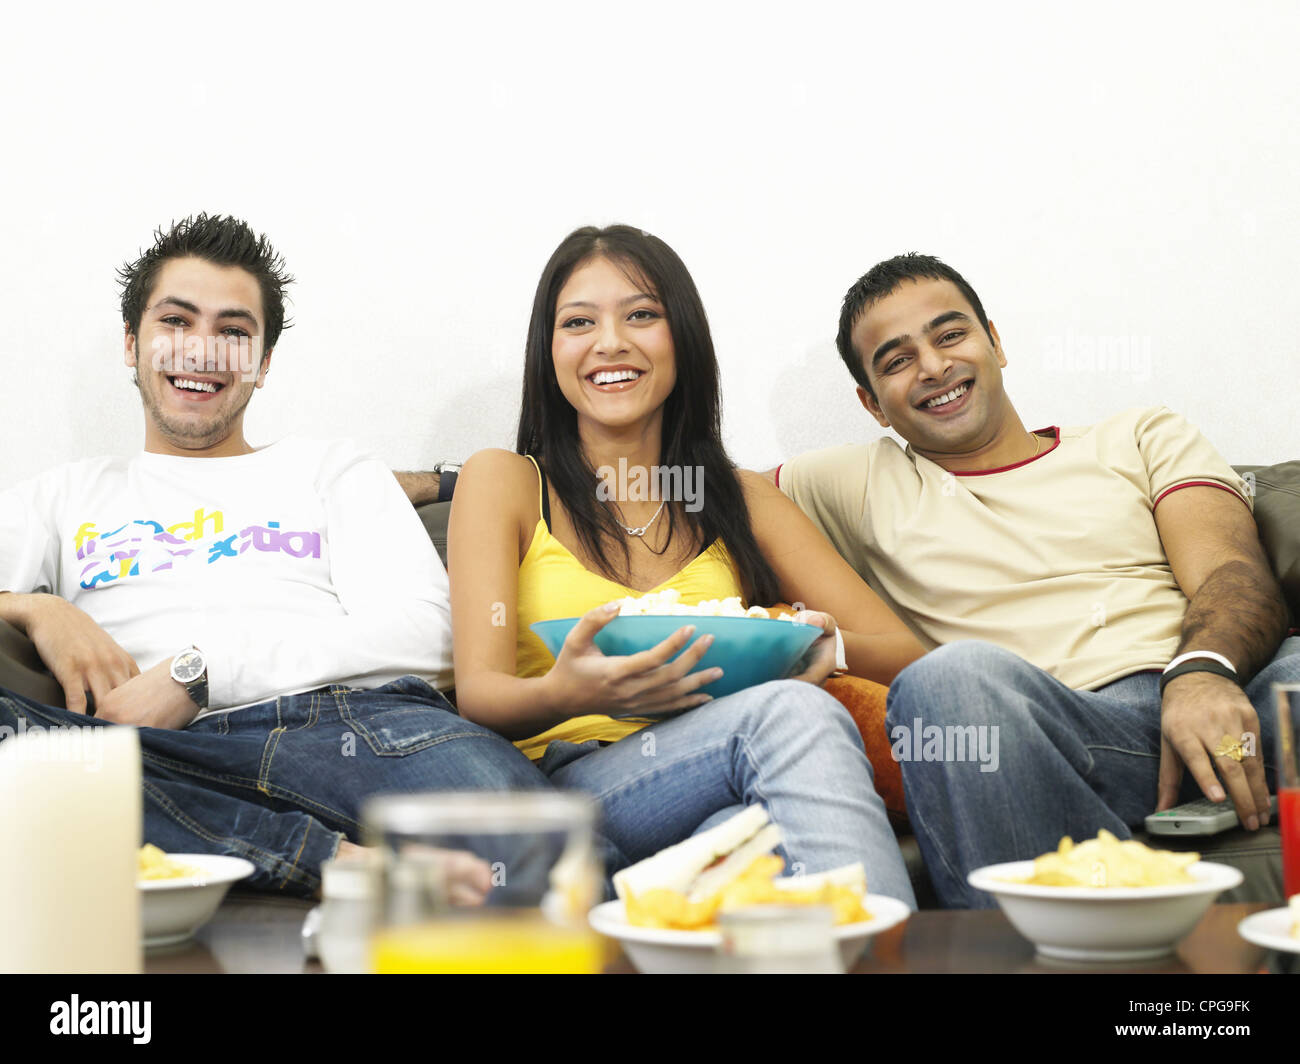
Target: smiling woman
(620, 374)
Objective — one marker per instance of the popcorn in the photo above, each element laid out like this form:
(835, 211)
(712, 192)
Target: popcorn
(669, 603)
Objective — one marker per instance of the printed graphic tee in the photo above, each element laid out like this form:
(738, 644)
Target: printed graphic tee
(297, 566)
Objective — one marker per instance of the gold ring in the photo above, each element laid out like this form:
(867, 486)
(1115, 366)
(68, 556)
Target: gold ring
(1230, 747)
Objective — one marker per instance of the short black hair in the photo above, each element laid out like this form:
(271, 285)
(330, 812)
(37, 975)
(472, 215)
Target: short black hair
(222, 241)
(884, 279)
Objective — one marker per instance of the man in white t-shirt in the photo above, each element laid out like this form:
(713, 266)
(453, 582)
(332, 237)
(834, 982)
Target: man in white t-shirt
(1059, 573)
(275, 620)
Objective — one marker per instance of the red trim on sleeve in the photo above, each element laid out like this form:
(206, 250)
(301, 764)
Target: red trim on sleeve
(1199, 484)
(777, 476)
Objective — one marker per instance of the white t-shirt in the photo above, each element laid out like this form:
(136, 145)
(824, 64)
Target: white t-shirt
(1057, 558)
(297, 566)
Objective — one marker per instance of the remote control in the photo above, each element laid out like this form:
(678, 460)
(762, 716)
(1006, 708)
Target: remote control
(1201, 817)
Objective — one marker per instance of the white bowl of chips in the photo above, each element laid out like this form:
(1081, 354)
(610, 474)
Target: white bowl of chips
(663, 951)
(1073, 913)
(183, 891)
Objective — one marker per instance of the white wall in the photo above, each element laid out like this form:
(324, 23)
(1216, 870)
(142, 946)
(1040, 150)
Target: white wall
(1115, 170)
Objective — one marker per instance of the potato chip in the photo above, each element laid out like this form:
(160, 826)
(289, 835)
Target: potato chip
(152, 864)
(664, 908)
(1107, 862)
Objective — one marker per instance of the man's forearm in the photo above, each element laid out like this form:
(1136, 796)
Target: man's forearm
(15, 608)
(420, 488)
(1239, 612)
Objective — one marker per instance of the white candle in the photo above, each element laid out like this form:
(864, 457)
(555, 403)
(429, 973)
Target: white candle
(70, 826)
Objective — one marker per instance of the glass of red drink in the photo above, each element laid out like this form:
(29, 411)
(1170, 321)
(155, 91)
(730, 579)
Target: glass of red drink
(1288, 783)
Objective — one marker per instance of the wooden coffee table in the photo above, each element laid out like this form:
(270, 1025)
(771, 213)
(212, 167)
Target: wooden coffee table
(261, 934)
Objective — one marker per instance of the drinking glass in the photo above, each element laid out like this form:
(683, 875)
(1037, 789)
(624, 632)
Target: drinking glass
(484, 882)
(1288, 783)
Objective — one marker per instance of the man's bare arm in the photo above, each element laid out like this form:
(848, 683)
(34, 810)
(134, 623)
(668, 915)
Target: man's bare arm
(420, 488)
(1235, 605)
(1235, 609)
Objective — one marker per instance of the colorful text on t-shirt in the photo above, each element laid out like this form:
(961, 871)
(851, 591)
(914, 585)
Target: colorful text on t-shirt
(148, 546)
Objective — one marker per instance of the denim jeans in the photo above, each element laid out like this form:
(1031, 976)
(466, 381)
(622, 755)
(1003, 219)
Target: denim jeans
(1069, 762)
(281, 783)
(786, 744)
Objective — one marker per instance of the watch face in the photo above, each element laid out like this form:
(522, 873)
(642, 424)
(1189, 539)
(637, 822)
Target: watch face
(188, 665)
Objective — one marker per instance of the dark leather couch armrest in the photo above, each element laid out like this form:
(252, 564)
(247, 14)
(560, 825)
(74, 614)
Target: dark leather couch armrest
(1277, 513)
(22, 671)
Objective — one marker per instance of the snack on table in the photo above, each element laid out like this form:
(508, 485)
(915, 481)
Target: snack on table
(732, 866)
(1295, 915)
(669, 603)
(154, 864)
(1107, 862)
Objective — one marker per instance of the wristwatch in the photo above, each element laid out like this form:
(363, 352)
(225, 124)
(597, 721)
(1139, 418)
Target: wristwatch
(447, 473)
(191, 671)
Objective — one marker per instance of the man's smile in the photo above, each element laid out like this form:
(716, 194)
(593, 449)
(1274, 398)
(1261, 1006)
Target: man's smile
(947, 402)
(195, 388)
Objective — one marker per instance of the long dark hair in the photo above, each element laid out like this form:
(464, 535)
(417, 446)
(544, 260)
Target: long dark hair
(692, 418)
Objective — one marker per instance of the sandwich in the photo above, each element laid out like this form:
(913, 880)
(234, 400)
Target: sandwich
(729, 867)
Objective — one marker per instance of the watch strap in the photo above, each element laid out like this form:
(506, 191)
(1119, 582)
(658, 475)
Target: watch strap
(1193, 654)
(446, 485)
(1198, 665)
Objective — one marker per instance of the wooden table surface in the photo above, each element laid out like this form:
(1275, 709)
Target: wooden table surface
(261, 934)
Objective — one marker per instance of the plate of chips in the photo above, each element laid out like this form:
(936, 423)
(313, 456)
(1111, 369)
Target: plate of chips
(666, 951)
(179, 892)
(1106, 900)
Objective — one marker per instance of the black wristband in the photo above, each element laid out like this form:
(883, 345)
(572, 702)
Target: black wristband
(446, 485)
(1199, 665)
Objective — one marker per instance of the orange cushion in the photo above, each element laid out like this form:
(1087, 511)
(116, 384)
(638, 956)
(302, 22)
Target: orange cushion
(865, 702)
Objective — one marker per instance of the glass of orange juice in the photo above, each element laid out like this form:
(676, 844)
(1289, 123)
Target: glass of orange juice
(484, 883)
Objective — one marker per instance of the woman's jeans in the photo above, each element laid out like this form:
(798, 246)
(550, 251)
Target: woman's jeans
(786, 745)
(281, 783)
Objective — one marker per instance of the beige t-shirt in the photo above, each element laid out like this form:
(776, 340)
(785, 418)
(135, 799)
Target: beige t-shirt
(1056, 558)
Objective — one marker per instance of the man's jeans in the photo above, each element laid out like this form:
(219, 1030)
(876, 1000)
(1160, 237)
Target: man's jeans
(1069, 762)
(787, 745)
(281, 783)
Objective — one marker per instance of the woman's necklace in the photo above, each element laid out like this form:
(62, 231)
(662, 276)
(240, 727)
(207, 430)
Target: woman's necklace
(642, 530)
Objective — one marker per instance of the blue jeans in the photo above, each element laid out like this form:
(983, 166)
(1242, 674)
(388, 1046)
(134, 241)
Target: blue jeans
(281, 783)
(1068, 762)
(786, 744)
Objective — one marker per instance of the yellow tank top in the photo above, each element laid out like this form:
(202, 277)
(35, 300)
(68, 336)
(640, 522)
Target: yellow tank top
(553, 583)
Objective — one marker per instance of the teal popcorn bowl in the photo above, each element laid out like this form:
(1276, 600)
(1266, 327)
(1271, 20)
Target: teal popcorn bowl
(748, 650)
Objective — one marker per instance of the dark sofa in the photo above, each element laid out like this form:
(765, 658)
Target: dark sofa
(1258, 854)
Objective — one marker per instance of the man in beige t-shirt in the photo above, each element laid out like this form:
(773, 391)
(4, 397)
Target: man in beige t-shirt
(1058, 572)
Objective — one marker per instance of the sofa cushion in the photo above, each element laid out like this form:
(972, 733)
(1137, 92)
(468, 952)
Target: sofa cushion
(1277, 512)
(22, 671)
(865, 702)
(435, 516)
